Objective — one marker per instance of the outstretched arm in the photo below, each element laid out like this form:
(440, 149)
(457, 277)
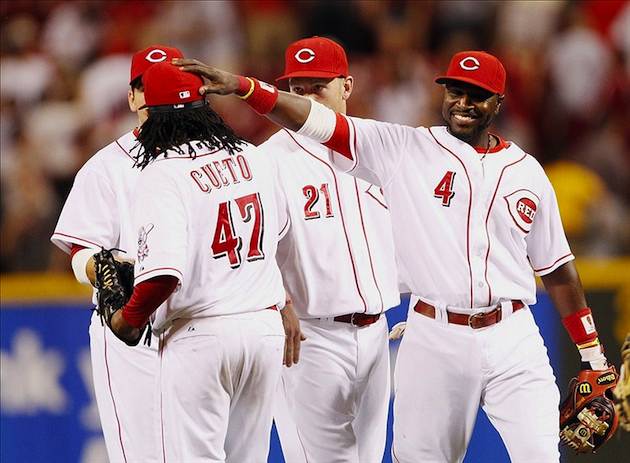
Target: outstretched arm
(290, 111)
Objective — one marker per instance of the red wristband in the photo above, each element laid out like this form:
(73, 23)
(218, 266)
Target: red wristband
(261, 96)
(580, 326)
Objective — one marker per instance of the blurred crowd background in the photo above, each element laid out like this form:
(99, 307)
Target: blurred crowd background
(65, 70)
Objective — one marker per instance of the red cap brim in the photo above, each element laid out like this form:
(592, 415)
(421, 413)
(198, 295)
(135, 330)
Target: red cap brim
(446, 79)
(309, 74)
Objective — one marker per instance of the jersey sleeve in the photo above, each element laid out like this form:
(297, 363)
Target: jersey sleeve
(89, 217)
(161, 218)
(280, 197)
(547, 245)
(374, 149)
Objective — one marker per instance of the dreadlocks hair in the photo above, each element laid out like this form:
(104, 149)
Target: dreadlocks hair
(172, 129)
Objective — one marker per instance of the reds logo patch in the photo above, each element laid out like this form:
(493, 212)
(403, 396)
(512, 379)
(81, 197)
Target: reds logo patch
(522, 206)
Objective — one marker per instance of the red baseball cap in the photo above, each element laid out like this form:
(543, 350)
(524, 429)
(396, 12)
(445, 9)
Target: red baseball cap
(167, 85)
(478, 68)
(144, 59)
(314, 57)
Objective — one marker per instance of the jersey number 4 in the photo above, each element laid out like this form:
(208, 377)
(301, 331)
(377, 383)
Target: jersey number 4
(312, 196)
(444, 189)
(226, 243)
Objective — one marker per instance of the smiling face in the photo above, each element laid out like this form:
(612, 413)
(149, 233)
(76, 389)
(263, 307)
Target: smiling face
(469, 110)
(329, 92)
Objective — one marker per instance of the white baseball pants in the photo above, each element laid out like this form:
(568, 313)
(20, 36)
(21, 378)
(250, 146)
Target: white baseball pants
(124, 387)
(332, 406)
(444, 372)
(218, 379)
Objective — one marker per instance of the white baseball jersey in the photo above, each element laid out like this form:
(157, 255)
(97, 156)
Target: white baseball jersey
(211, 222)
(97, 213)
(338, 256)
(470, 230)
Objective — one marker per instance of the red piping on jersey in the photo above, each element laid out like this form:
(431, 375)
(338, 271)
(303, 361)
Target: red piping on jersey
(161, 348)
(156, 269)
(77, 238)
(377, 200)
(111, 394)
(469, 209)
(191, 157)
(484, 150)
(487, 219)
(380, 295)
(555, 262)
(125, 151)
(340, 139)
(284, 227)
(343, 222)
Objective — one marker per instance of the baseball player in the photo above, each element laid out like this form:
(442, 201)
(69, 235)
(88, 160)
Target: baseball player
(97, 213)
(207, 218)
(474, 219)
(337, 262)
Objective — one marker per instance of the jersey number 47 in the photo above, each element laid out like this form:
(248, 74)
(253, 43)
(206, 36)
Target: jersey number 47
(226, 243)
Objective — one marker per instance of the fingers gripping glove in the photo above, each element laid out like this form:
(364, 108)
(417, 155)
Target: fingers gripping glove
(622, 391)
(397, 331)
(114, 284)
(587, 415)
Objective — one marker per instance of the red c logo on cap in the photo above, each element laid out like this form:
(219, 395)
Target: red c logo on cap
(161, 56)
(469, 67)
(310, 55)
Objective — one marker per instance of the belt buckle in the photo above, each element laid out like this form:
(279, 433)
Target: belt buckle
(471, 318)
(352, 322)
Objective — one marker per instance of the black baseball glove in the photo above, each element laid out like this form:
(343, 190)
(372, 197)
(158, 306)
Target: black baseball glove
(114, 284)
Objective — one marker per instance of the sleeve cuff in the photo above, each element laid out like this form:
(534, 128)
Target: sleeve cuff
(558, 262)
(147, 274)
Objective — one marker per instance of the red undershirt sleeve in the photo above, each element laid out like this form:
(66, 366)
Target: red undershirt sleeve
(75, 248)
(340, 140)
(147, 297)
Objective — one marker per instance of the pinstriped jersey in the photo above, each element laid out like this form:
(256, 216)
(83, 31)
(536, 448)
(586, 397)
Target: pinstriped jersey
(337, 256)
(470, 230)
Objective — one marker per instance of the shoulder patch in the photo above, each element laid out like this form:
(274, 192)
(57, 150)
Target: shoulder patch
(522, 206)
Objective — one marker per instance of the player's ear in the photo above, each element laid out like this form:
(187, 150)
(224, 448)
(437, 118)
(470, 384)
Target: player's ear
(131, 100)
(499, 102)
(348, 85)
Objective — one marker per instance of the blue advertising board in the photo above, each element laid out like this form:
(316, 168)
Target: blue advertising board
(47, 409)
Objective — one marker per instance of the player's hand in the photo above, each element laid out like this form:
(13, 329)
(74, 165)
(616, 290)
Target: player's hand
(216, 80)
(293, 335)
(397, 331)
(122, 329)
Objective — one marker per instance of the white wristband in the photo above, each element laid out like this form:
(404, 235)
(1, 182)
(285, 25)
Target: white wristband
(320, 123)
(79, 263)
